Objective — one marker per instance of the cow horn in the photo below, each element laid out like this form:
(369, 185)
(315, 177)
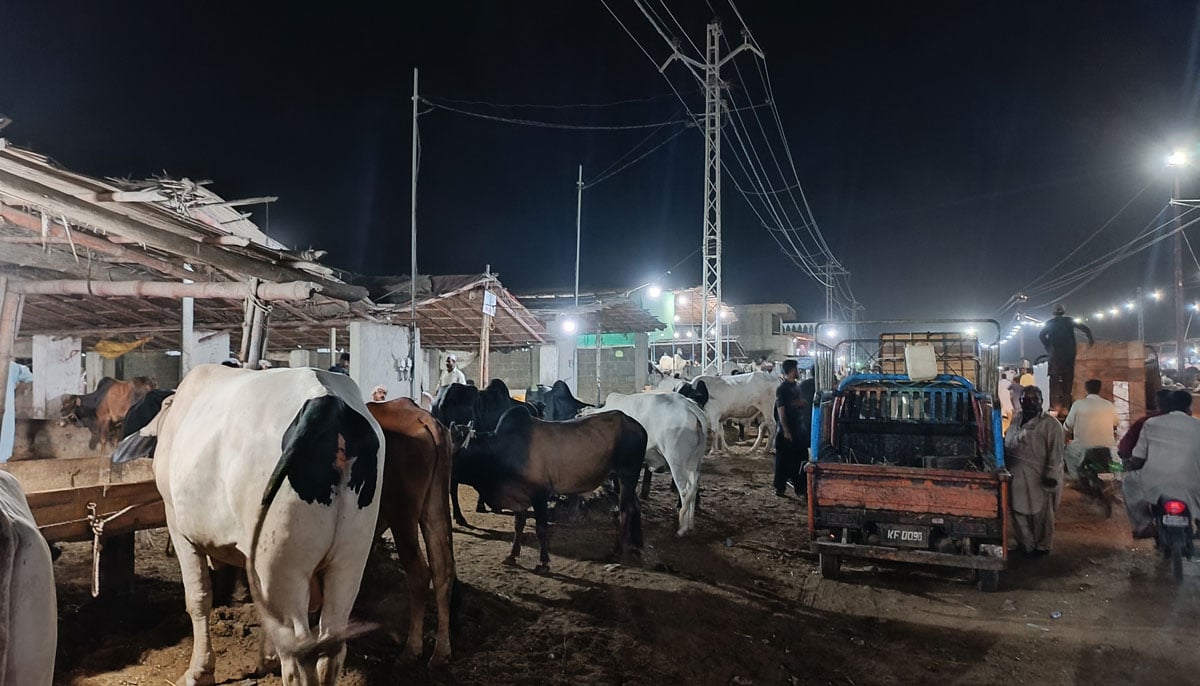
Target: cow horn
(470, 433)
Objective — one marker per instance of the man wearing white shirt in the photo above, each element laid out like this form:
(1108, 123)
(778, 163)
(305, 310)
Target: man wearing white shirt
(1165, 462)
(1091, 423)
(1006, 403)
(453, 374)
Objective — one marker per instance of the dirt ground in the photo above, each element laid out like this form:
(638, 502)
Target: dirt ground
(738, 602)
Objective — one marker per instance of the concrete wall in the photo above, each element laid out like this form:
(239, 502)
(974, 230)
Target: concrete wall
(755, 328)
(164, 369)
(208, 347)
(58, 371)
(618, 373)
(376, 350)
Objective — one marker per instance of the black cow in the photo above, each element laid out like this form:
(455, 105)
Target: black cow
(144, 410)
(696, 392)
(466, 410)
(527, 461)
(557, 402)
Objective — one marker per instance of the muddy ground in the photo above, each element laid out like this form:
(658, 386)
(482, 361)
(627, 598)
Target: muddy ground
(738, 602)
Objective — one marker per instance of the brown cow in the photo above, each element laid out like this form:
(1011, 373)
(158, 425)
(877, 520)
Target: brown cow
(416, 492)
(103, 410)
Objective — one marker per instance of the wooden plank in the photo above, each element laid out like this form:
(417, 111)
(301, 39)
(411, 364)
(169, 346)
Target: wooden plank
(57, 474)
(927, 491)
(62, 515)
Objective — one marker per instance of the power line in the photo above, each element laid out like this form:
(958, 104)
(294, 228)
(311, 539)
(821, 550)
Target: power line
(553, 125)
(546, 106)
(604, 176)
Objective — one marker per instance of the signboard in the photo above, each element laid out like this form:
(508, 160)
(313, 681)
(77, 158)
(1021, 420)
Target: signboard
(489, 303)
(805, 363)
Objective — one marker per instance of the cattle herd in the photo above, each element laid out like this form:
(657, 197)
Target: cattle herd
(288, 474)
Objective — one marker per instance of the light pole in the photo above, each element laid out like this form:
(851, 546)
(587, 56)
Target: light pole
(1177, 161)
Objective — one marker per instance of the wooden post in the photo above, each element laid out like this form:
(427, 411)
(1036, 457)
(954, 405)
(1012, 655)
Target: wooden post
(485, 347)
(10, 315)
(116, 565)
(257, 336)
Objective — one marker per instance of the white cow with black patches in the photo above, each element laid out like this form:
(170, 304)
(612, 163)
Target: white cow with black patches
(277, 471)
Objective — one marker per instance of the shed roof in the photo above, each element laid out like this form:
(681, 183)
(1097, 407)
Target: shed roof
(608, 312)
(450, 309)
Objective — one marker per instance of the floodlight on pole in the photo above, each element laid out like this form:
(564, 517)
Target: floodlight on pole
(1178, 158)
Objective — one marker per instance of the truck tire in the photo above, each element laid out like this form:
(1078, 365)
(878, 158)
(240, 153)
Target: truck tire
(831, 565)
(988, 580)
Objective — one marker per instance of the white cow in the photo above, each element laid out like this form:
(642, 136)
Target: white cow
(740, 396)
(675, 428)
(278, 471)
(28, 610)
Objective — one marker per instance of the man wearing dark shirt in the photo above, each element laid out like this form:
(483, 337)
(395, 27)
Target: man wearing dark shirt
(342, 366)
(1058, 337)
(793, 407)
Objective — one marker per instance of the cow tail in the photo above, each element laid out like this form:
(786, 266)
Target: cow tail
(310, 447)
(8, 555)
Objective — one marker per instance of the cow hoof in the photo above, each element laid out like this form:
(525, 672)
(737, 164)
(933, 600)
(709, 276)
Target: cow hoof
(197, 677)
(541, 569)
(511, 561)
(461, 521)
(439, 659)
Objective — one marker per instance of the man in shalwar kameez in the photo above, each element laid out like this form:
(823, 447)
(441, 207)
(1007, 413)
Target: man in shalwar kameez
(1165, 462)
(1033, 451)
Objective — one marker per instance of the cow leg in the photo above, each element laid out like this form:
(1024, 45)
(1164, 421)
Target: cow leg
(541, 520)
(629, 521)
(436, 532)
(645, 482)
(341, 582)
(458, 515)
(197, 591)
(688, 493)
(519, 526)
(416, 572)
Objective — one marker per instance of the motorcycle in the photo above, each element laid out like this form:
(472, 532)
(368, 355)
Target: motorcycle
(1175, 533)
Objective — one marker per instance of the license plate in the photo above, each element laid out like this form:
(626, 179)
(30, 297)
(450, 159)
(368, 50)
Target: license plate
(1174, 520)
(908, 536)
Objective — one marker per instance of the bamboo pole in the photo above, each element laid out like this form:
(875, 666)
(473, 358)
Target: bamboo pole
(231, 290)
(10, 305)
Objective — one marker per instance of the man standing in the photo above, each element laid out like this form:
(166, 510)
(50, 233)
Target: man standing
(793, 412)
(1033, 449)
(453, 374)
(17, 374)
(1058, 337)
(1092, 423)
(1006, 400)
(342, 366)
(1166, 462)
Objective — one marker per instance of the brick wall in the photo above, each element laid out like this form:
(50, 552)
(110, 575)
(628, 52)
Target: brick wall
(617, 374)
(517, 369)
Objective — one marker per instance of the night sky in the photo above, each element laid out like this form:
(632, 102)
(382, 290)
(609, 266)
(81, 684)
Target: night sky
(951, 152)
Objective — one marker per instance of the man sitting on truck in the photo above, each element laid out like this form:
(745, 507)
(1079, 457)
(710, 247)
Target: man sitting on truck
(1033, 449)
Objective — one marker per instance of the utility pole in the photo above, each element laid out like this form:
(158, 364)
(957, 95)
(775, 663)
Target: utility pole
(412, 301)
(1180, 350)
(578, 218)
(708, 74)
(1141, 318)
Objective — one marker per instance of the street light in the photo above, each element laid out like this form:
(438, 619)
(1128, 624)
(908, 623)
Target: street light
(654, 291)
(568, 326)
(1178, 158)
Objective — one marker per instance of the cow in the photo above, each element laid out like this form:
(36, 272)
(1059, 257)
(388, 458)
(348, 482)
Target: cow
(676, 428)
(102, 410)
(416, 484)
(557, 402)
(740, 396)
(527, 461)
(277, 471)
(464, 409)
(28, 609)
(144, 411)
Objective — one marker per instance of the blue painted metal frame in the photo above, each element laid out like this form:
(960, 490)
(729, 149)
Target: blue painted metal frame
(817, 414)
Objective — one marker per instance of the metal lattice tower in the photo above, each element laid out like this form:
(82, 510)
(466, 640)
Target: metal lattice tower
(708, 73)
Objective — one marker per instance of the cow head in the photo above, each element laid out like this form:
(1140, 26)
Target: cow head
(462, 434)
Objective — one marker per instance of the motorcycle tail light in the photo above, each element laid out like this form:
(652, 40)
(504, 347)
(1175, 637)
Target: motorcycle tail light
(1174, 507)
